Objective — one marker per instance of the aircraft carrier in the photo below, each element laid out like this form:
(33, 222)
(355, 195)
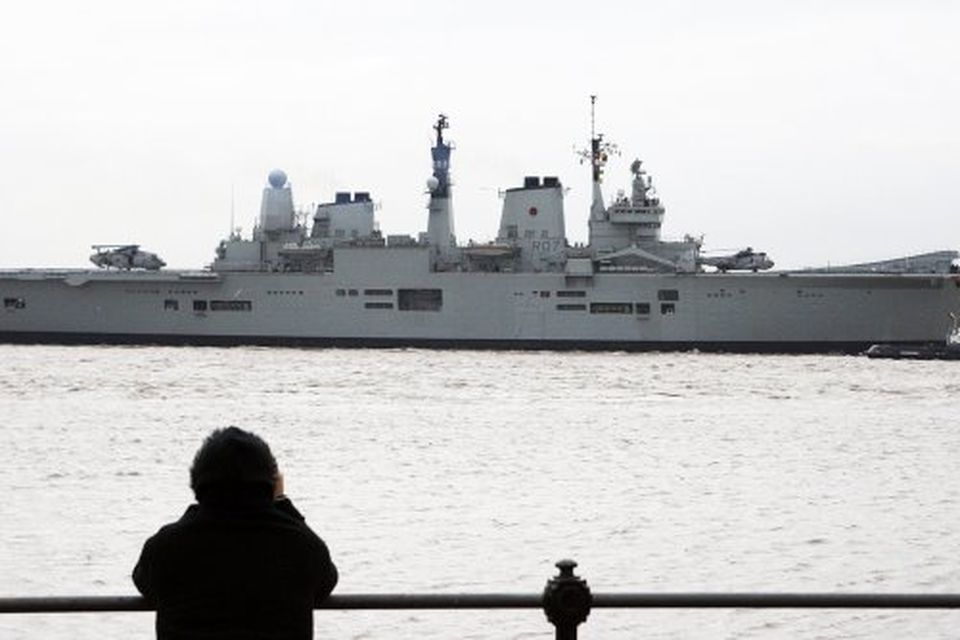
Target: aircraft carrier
(339, 282)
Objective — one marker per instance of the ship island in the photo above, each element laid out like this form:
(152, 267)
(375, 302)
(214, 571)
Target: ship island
(333, 279)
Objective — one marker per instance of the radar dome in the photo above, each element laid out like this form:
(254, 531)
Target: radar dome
(432, 183)
(277, 178)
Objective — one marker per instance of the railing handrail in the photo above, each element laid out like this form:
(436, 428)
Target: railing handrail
(566, 600)
(735, 600)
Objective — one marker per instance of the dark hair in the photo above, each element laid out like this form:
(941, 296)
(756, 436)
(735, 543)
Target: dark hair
(234, 462)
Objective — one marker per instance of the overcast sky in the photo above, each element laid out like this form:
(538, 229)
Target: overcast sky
(818, 131)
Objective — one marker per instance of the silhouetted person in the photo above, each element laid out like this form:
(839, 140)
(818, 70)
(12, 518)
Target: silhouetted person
(241, 563)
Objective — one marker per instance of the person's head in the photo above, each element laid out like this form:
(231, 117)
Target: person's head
(233, 466)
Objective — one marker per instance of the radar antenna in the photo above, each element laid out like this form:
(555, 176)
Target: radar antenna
(599, 151)
(440, 126)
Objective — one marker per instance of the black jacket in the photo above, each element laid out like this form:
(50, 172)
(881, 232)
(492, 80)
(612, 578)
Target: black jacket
(236, 571)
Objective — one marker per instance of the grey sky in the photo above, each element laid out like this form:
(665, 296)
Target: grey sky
(817, 131)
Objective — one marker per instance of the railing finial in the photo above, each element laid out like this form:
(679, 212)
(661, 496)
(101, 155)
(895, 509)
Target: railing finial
(566, 601)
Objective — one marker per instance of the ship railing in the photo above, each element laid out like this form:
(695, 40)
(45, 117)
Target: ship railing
(636, 215)
(566, 601)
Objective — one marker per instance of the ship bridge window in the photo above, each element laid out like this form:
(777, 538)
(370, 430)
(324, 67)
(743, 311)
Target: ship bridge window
(231, 305)
(611, 307)
(571, 294)
(378, 305)
(419, 299)
(643, 308)
(571, 307)
(199, 305)
(668, 309)
(14, 303)
(378, 292)
(171, 305)
(669, 295)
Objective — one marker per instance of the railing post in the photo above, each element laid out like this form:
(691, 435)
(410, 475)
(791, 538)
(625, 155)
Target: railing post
(566, 601)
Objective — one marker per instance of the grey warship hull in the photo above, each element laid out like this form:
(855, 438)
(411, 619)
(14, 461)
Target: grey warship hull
(402, 303)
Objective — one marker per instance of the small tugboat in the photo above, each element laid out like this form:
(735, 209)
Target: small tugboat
(947, 351)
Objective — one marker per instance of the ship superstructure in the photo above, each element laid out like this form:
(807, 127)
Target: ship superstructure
(624, 236)
(331, 278)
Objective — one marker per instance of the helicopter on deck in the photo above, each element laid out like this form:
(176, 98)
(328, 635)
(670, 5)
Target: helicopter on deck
(744, 260)
(125, 256)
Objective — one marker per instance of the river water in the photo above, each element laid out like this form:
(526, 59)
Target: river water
(465, 471)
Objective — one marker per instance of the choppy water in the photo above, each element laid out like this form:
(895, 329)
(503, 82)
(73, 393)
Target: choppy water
(451, 471)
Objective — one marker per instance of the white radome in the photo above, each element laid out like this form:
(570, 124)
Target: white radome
(277, 178)
(432, 183)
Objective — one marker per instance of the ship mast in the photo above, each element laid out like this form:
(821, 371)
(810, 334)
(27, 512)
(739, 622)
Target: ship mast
(597, 155)
(440, 227)
(441, 159)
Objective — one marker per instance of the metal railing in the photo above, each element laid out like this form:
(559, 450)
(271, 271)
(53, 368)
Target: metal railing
(566, 600)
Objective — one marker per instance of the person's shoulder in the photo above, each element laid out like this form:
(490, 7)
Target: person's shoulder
(171, 528)
(290, 518)
(284, 505)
